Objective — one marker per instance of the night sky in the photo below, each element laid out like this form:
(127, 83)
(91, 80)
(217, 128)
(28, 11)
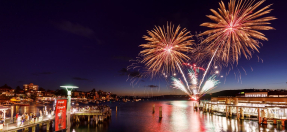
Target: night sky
(54, 43)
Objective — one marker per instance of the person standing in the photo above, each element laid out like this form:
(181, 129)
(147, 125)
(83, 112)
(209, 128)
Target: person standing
(34, 116)
(40, 113)
(23, 116)
(22, 120)
(16, 117)
(27, 117)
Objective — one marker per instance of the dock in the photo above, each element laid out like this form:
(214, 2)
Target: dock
(96, 115)
(40, 121)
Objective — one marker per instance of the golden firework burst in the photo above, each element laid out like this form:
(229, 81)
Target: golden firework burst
(165, 50)
(235, 29)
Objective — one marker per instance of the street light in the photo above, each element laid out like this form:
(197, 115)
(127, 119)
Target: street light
(69, 92)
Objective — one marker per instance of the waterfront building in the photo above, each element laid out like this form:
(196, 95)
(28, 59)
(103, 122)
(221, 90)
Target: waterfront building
(20, 93)
(256, 94)
(95, 95)
(260, 103)
(50, 93)
(30, 87)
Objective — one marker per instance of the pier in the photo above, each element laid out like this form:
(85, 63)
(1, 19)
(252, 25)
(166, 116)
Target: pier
(40, 121)
(96, 115)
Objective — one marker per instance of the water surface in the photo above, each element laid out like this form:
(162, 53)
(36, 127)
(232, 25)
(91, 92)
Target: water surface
(178, 116)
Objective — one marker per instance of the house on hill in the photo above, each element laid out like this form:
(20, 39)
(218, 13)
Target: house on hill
(7, 90)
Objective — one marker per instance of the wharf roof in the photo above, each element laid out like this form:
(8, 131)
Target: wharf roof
(277, 93)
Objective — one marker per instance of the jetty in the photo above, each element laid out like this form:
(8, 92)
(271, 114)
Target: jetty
(97, 114)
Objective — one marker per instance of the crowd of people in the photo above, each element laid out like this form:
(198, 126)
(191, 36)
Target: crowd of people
(32, 117)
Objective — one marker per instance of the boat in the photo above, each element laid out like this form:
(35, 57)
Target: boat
(7, 104)
(24, 104)
(39, 104)
(47, 102)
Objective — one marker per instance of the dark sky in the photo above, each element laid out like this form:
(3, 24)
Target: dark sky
(86, 43)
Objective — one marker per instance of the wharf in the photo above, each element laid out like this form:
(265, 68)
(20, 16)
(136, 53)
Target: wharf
(25, 126)
(97, 115)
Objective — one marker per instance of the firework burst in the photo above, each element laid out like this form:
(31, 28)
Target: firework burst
(165, 50)
(235, 29)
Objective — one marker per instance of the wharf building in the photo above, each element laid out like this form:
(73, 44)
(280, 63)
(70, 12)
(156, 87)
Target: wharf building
(266, 105)
(94, 95)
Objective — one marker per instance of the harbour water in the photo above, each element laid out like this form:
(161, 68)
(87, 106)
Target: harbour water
(178, 116)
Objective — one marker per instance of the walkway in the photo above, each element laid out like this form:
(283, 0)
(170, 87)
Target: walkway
(17, 126)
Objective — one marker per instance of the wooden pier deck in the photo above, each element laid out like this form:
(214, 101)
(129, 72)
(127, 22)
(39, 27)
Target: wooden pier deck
(27, 124)
(97, 115)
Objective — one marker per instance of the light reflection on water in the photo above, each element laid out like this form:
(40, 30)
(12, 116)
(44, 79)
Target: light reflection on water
(178, 116)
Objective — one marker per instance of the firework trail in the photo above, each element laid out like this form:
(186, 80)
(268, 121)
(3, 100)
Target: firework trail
(191, 86)
(209, 84)
(178, 84)
(184, 79)
(164, 51)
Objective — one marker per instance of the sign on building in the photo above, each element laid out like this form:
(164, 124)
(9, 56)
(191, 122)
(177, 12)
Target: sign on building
(60, 115)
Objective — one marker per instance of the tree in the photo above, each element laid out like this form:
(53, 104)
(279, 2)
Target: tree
(93, 90)
(61, 92)
(41, 89)
(17, 90)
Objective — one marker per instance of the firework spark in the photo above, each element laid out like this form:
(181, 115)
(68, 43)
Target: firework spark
(191, 87)
(209, 84)
(235, 29)
(164, 51)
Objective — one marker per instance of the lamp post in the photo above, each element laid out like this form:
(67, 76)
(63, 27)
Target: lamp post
(69, 92)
